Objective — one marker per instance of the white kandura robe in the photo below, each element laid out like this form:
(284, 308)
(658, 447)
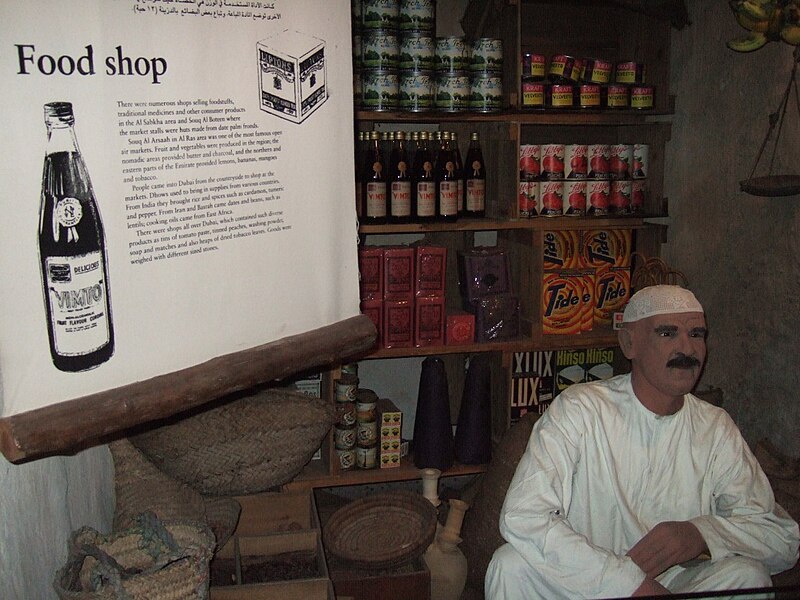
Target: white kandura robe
(601, 470)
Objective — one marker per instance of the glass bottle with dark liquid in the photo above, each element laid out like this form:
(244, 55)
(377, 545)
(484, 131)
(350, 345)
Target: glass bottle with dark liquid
(475, 173)
(72, 252)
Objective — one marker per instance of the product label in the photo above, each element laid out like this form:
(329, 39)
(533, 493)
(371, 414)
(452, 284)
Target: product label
(426, 199)
(401, 198)
(376, 199)
(448, 198)
(476, 195)
(76, 291)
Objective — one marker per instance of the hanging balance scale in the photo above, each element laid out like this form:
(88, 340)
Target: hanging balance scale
(770, 184)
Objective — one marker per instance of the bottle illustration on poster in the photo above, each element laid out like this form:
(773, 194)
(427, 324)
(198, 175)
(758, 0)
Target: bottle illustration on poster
(72, 252)
(291, 75)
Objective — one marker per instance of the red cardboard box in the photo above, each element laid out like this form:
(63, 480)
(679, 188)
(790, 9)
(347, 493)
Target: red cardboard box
(431, 267)
(398, 323)
(373, 308)
(398, 272)
(370, 271)
(460, 328)
(429, 321)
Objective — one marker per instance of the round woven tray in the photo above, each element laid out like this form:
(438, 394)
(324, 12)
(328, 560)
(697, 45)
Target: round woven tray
(381, 531)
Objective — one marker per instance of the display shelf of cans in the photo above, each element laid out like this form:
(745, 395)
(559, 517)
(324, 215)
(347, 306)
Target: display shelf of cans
(576, 180)
(565, 82)
(400, 64)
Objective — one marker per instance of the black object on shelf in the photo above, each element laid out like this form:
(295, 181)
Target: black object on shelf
(473, 440)
(433, 434)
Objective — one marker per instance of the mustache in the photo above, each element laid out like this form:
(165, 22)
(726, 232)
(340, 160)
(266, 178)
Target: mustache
(683, 361)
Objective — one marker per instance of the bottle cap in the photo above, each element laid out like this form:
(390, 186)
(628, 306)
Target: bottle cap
(59, 110)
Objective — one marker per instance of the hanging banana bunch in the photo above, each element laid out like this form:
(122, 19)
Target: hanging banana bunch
(766, 21)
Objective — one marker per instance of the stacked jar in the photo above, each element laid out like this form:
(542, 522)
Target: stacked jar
(452, 62)
(345, 430)
(630, 80)
(417, 28)
(486, 75)
(379, 55)
(533, 80)
(367, 429)
(393, 47)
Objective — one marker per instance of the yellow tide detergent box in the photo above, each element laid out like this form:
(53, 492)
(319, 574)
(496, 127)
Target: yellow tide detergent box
(565, 296)
(562, 249)
(579, 366)
(602, 248)
(612, 289)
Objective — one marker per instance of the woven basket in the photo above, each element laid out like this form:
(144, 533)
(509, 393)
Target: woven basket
(244, 446)
(382, 530)
(153, 560)
(140, 487)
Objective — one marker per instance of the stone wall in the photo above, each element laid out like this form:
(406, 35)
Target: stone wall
(739, 252)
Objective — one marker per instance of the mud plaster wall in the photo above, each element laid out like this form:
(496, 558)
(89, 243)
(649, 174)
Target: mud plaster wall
(739, 252)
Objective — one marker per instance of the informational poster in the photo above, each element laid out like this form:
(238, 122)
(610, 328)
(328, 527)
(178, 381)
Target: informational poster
(178, 186)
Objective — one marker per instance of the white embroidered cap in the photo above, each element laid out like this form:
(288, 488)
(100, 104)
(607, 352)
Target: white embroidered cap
(660, 300)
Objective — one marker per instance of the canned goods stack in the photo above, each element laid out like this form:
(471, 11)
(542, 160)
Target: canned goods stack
(393, 54)
(469, 75)
(367, 426)
(582, 179)
(345, 431)
(486, 75)
(570, 82)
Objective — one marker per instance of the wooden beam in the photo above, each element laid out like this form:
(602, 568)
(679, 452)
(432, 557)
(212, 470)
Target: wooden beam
(76, 424)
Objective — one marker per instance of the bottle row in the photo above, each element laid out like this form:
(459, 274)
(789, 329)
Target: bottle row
(426, 180)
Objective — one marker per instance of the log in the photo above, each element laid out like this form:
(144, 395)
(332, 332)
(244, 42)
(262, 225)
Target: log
(76, 424)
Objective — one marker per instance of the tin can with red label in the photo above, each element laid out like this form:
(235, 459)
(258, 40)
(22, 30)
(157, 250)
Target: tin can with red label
(576, 161)
(552, 165)
(599, 155)
(597, 197)
(638, 195)
(533, 66)
(641, 161)
(617, 96)
(642, 97)
(559, 95)
(574, 198)
(620, 197)
(529, 161)
(528, 198)
(620, 161)
(565, 69)
(533, 94)
(597, 70)
(552, 198)
(589, 95)
(631, 73)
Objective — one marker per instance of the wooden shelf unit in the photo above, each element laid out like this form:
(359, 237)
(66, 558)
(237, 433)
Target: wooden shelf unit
(598, 30)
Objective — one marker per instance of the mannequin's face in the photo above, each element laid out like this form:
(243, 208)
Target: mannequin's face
(667, 352)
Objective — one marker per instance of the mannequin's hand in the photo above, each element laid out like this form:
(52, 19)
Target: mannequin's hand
(667, 544)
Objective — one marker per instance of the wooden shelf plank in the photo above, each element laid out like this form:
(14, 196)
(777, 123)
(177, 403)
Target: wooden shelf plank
(537, 223)
(599, 338)
(405, 472)
(536, 117)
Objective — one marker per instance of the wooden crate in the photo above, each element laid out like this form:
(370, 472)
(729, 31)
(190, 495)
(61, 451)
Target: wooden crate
(410, 582)
(272, 524)
(277, 512)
